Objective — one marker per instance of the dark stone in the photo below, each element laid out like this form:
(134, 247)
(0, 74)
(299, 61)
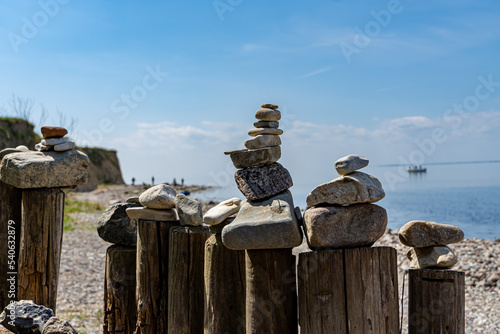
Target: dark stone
(25, 317)
(264, 181)
(116, 227)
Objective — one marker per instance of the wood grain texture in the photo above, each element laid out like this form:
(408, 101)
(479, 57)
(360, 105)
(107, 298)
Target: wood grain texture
(186, 279)
(10, 209)
(152, 276)
(436, 301)
(224, 288)
(271, 296)
(120, 311)
(41, 241)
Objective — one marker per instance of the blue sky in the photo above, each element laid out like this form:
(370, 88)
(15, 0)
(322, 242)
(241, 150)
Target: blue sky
(217, 61)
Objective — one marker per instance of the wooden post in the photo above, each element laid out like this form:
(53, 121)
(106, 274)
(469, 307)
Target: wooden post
(271, 300)
(349, 291)
(120, 312)
(436, 301)
(152, 275)
(41, 241)
(224, 288)
(10, 220)
(186, 279)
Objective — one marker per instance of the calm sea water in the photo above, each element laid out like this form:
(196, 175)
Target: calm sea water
(464, 195)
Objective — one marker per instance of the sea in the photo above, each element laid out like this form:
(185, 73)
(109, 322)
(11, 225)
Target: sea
(466, 195)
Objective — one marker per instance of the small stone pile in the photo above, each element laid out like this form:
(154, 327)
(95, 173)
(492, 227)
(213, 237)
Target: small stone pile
(428, 241)
(339, 213)
(54, 140)
(266, 219)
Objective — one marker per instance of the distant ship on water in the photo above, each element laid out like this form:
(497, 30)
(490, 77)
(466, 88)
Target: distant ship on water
(416, 169)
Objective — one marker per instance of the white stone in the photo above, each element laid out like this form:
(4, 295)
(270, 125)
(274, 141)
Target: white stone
(161, 196)
(22, 148)
(69, 145)
(350, 164)
(221, 211)
(54, 141)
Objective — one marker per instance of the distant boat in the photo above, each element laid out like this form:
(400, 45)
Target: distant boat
(416, 169)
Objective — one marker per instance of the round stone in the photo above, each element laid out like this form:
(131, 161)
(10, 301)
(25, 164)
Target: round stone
(268, 114)
(269, 105)
(53, 132)
(266, 124)
(264, 131)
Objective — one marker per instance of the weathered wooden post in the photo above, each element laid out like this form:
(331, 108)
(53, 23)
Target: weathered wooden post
(42, 175)
(152, 267)
(436, 301)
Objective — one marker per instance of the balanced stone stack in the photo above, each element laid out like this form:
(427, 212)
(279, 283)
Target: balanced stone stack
(428, 241)
(54, 140)
(339, 213)
(266, 220)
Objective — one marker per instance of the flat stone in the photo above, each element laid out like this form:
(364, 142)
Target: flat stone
(262, 141)
(344, 226)
(420, 233)
(168, 215)
(263, 181)
(54, 141)
(264, 131)
(267, 224)
(132, 199)
(268, 114)
(189, 210)
(431, 257)
(266, 124)
(350, 164)
(69, 145)
(22, 148)
(27, 317)
(269, 105)
(58, 326)
(116, 227)
(221, 211)
(247, 158)
(53, 132)
(6, 151)
(45, 169)
(354, 188)
(161, 196)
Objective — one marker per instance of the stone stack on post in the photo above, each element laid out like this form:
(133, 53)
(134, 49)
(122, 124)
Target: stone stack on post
(153, 221)
(266, 227)
(40, 176)
(114, 226)
(436, 299)
(346, 286)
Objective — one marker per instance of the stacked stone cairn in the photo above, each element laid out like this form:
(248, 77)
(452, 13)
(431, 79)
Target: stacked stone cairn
(340, 213)
(428, 241)
(54, 140)
(266, 219)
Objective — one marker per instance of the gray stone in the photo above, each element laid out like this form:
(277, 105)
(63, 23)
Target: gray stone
(264, 131)
(25, 317)
(45, 169)
(58, 326)
(168, 215)
(354, 188)
(69, 145)
(431, 257)
(420, 233)
(6, 151)
(350, 163)
(54, 141)
(161, 196)
(268, 114)
(266, 124)
(133, 199)
(262, 141)
(116, 227)
(221, 211)
(247, 158)
(264, 224)
(269, 105)
(344, 226)
(263, 181)
(22, 148)
(189, 210)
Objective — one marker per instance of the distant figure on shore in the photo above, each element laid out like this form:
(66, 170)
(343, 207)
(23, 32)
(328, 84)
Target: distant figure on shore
(175, 182)
(182, 181)
(133, 181)
(152, 180)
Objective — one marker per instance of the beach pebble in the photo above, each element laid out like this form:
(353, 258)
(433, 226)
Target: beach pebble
(268, 114)
(58, 326)
(262, 141)
(431, 257)
(269, 105)
(22, 148)
(247, 158)
(264, 131)
(266, 124)
(419, 233)
(132, 199)
(344, 226)
(354, 188)
(53, 132)
(116, 227)
(27, 318)
(54, 141)
(161, 196)
(69, 145)
(350, 164)
(189, 210)
(221, 211)
(263, 181)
